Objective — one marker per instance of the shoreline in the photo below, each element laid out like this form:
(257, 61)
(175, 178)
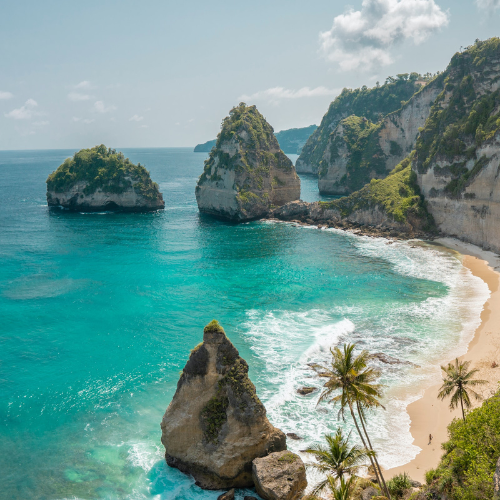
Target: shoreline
(428, 414)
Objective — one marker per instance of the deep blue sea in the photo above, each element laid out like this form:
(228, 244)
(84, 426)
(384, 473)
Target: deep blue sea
(99, 312)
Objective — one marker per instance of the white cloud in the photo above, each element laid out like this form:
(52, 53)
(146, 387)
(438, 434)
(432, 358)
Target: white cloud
(88, 120)
(363, 38)
(488, 4)
(25, 112)
(77, 96)
(75, 119)
(136, 118)
(42, 123)
(101, 108)
(5, 95)
(276, 94)
(144, 126)
(84, 85)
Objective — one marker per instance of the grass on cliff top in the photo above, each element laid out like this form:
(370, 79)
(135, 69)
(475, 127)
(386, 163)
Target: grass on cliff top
(398, 195)
(470, 456)
(103, 168)
(455, 130)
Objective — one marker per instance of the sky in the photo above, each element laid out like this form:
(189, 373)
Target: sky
(159, 73)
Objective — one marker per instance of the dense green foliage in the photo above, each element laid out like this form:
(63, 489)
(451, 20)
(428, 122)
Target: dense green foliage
(105, 169)
(366, 155)
(463, 116)
(399, 485)
(371, 103)
(398, 195)
(471, 453)
(291, 141)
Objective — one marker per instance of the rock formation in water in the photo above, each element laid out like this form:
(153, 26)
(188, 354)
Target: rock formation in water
(101, 179)
(246, 174)
(279, 476)
(216, 425)
(370, 103)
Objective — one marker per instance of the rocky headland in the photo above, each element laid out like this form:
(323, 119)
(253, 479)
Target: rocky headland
(216, 425)
(246, 174)
(98, 179)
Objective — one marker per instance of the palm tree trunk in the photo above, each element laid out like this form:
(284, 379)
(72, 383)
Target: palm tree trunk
(371, 448)
(363, 441)
(462, 405)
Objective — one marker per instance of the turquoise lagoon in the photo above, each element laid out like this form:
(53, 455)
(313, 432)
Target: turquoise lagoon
(99, 312)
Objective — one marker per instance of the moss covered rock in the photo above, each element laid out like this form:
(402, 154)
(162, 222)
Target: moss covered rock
(216, 425)
(246, 173)
(102, 179)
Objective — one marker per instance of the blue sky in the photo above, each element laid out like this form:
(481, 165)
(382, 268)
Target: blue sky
(161, 73)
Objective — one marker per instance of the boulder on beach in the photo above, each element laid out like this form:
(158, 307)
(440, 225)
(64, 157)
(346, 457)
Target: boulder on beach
(279, 476)
(216, 425)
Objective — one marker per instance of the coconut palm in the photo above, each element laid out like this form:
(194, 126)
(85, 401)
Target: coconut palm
(337, 458)
(459, 381)
(351, 376)
(342, 489)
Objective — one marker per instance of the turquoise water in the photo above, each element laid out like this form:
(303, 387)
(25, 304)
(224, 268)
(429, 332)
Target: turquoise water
(99, 312)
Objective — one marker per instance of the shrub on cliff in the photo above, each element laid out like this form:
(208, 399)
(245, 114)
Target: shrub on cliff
(467, 467)
(100, 167)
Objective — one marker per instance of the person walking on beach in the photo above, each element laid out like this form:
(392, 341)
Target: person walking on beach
(430, 438)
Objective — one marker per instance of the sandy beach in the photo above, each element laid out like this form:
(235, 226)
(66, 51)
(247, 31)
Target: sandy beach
(428, 414)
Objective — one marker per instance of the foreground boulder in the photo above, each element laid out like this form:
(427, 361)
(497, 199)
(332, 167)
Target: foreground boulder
(279, 476)
(216, 425)
(101, 179)
(246, 173)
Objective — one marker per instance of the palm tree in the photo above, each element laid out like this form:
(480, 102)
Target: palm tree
(344, 490)
(351, 376)
(459, 381)
(337, 458)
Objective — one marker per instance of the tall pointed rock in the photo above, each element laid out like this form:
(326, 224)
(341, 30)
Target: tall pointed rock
(216, 425)
(246, 173)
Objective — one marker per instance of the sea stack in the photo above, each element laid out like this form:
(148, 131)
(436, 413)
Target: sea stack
(98, 179)
(216, 425)
(246, 174)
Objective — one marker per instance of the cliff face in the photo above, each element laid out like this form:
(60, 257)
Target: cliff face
(457, 159)
(359, 150)
(101, 179)
(216, 425)
(246, 173)
(372, 104)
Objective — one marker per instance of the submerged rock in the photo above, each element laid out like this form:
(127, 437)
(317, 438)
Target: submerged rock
(216, 425)
(304, 391)
(246, 173)
(279, 476)
(101, 179)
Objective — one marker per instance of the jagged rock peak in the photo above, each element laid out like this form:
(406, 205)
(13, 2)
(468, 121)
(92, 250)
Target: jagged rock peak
(216, 425)
(246, 174)
(102, 179)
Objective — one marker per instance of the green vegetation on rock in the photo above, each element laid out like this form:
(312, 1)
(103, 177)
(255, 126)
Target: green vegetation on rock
(371, 103)
(471, 453)
(105, 169)
(398, 195)
(463, 117)
(214, 416)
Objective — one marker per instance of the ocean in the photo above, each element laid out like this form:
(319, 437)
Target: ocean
(99, 312)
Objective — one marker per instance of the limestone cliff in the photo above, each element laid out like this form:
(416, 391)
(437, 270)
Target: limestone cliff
(216, 425)
(388, 207)
(359, 150)
(102, 179)
(246, 173)
(370, 103)
(457, 159)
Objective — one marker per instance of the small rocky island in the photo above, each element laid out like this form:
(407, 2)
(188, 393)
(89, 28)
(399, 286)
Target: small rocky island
(98, 179)
(216, 426)
(246, 174)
